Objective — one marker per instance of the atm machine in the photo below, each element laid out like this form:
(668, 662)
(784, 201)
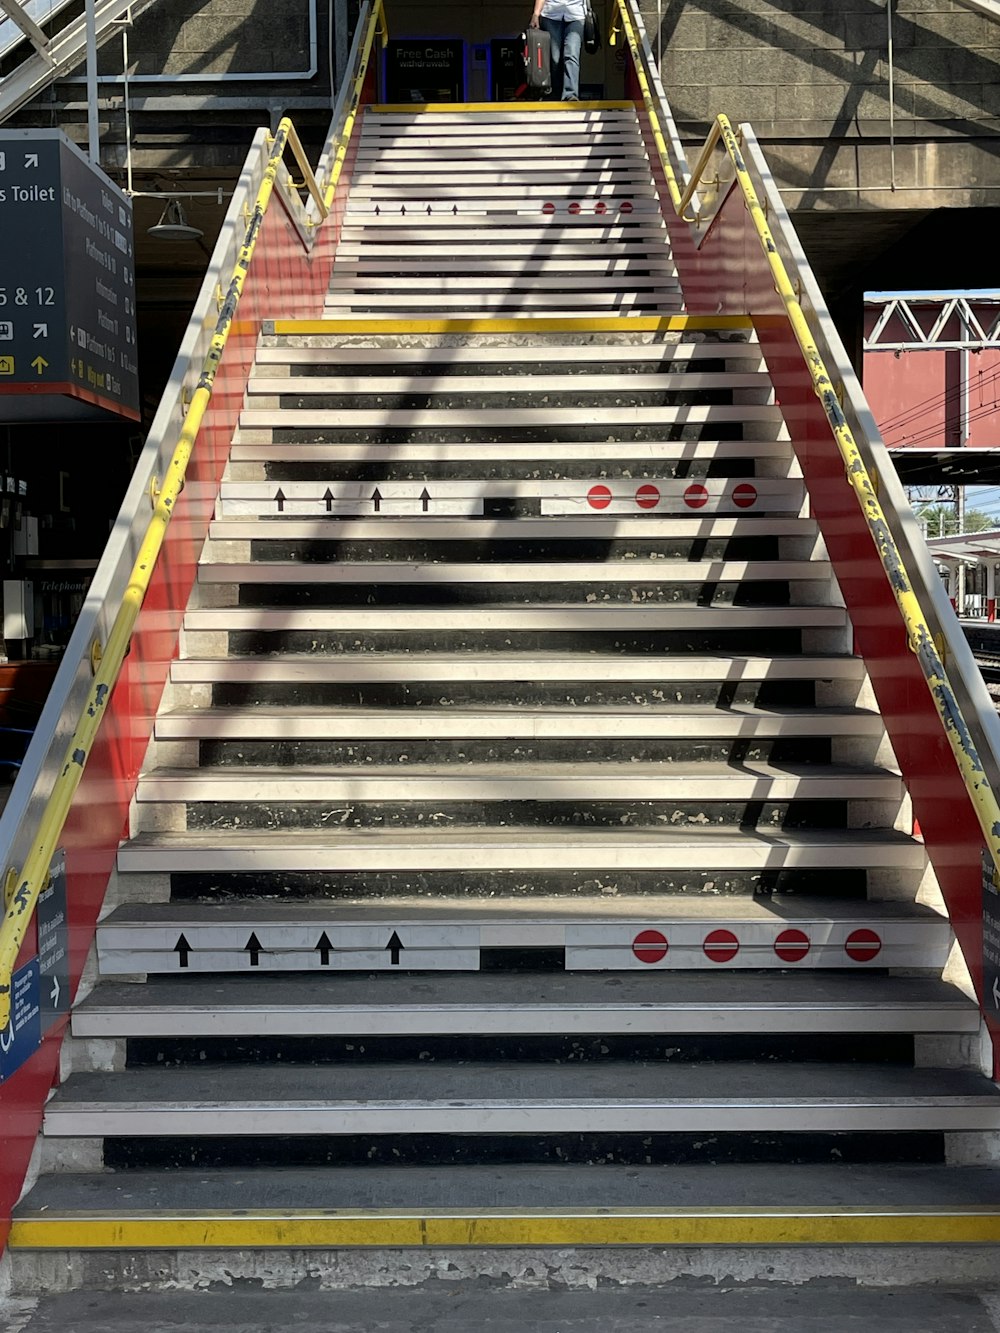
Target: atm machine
(472, 53)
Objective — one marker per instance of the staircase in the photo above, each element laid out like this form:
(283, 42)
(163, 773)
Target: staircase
(518, 845)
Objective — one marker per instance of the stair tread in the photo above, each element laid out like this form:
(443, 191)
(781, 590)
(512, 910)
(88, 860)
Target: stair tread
(530, 666)
(512, 1083)
(473, 839)
(388, 991)
(669, 774)
(519, 1187)
(537, 908)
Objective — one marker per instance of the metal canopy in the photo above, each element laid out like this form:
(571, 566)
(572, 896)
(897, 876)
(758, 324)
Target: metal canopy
(947, 467)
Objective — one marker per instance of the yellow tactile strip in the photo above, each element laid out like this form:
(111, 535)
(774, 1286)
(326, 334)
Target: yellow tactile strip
(402, 1228)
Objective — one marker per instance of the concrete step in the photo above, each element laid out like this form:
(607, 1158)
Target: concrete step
(390, 1003)
(677, 783)
(469, 1099)
(536, 667)
(602, 934)
(679, 527)
(550, 618)
(521, 418)
(289, 724)
(594, 851)
(593, 574)
(700, 456)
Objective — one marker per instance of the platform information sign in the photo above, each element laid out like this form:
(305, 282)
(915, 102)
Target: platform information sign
(67, 284)
(23, 1034)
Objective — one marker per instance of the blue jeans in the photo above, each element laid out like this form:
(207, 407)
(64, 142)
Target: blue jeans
(567, 39)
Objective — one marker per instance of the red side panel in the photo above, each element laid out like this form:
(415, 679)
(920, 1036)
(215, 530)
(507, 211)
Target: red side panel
(282, 283)
(941, 806)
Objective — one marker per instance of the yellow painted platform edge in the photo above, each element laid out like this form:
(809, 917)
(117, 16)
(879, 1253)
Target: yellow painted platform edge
(397, 108)
(308, 1229)
(522, 324)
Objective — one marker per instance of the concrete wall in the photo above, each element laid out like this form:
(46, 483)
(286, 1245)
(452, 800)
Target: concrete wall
(812, 76)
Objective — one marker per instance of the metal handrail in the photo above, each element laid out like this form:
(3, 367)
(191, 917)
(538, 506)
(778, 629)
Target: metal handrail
(26, 887)
(919, 633)
(376, 26)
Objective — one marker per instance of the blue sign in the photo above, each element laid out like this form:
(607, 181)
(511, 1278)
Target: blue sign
(53, 944)
(23, 1034)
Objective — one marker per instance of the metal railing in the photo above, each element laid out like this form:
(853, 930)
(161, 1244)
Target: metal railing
(24, 887)
(919, 631)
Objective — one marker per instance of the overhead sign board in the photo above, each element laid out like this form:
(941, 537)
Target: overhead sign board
(67, 284)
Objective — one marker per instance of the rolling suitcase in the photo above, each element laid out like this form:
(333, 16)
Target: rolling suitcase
(537, 62)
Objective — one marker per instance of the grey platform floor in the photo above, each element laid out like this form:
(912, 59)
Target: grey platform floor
(469, 1307)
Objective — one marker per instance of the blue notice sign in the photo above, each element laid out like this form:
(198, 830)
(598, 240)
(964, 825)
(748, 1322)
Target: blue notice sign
(23, 1034)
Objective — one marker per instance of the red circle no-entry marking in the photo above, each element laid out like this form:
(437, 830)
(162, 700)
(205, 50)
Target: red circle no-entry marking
(863, 945)
(600, 206)
(574, 207)
(744, 495)
(791, 946)
(649, 946)
(626, 206)
(647, 497)
(548, 208)
(720, 946)
(598, 497)
(696, 495)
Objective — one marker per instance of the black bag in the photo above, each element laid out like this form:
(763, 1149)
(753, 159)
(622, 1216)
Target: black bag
(538, 61)
(591, 30)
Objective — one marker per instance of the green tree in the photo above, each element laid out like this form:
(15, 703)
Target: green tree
(940, 520)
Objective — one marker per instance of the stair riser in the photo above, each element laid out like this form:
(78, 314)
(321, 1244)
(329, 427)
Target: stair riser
(706, 1145)
(497, 1048)
(341, 549)
(531, 462)
(577, 402)
(521, 694)
(576, 592)
(715, 428)
(345, 812)
(476, 884)
(243, 753)
(245, 643)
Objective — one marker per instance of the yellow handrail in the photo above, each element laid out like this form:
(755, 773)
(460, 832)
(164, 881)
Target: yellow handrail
(376, 26)
(919, 633)
(34, 874)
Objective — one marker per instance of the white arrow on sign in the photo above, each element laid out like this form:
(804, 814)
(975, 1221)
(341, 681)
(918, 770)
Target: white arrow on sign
(7, 1038)
(31, 159)
(54, 994)
(41, 331)
(996, 993)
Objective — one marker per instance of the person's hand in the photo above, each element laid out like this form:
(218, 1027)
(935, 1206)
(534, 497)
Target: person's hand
(533, 22)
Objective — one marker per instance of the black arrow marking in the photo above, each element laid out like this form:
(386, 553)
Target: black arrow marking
(376, 499)
(454, 210)
(377, 210)
(395, 947)
(279, 495)
(182, 949)
(323, 947)
(328, 497)
(425, 499)
(253, 948)
(403, 210)
(428, 210)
